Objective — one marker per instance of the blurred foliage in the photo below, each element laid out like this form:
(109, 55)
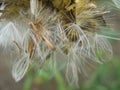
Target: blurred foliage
(106, 77)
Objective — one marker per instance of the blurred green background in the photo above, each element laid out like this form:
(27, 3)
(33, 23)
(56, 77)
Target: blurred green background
(105, 77)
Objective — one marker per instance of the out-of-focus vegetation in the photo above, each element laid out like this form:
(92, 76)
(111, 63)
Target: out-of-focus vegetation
(106, 77)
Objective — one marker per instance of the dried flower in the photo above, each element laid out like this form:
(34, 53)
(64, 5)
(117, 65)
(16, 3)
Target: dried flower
(41, 30)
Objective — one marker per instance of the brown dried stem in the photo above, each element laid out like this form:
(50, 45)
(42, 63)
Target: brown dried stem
(38, 33)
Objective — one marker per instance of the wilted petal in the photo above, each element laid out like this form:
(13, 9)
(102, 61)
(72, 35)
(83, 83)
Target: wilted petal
(72, 72)
(117, 3)
(20, 67)
(9, 34)
(102, 48)
(82, 45)
(34, 6)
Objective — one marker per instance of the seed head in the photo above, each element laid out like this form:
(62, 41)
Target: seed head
(42, 30)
